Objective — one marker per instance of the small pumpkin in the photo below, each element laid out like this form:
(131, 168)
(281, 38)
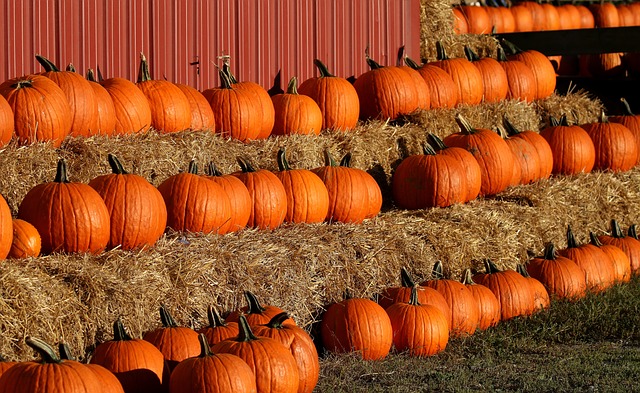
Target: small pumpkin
(538, 63)
(26, 240)
(628, 244)
(541, 147)
(572, 147)
(621, 263)
(494, 77)
(465, 75)
(631, 121)
(562, 277)
(443, 92)
(106, 117)
(521, 80)
(615, 145)
(541, 299)
(488, 304)
(239, 197)
(218, 329)
(295, 113)
(255, 313)
(202, 117)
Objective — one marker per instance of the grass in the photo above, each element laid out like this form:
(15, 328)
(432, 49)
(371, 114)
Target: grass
(589, 345)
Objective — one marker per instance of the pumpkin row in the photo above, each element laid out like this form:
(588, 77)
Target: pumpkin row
(542, 16)
(124, 210)
(476, 162)
(243, 352)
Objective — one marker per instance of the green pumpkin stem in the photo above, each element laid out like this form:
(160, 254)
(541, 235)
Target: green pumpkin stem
(143, 70)
(225, 80)
(328, 159)
(91, 75)
(441, 53)
(46, 351)
(520, 268)
(470, 54)
(47, 64)
(166, 318)
(615, 230)
(212, 169)
(277, 321)
(245, 165)
(346, 160)
(627, 108)
(509, 127)
(119, 332)
(253, 304)
(61, 172)
(322, 68)
(436, 143)
(347, 294)
(632, 232)
(501, 55)
(292, 87)
(116, 166)
(593, 239)
(490, 267)
(571, 239)
(511, 47)
(464, 125)
(411, 63)
(550, 252)
(215, 320)
(71, 68)
(602, 118)
(245, 334)
(205, 349)
(22, 84)
(100, 77)
(193, 167)
(227, 71)
(413, 300)
(467, 278)
(428, 150)
(372, 64)
(437, 273)
(405, 278)
(65, 352)
(553, 122)
(283, 164)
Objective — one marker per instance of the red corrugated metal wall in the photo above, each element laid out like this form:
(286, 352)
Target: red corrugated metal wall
(184, 39)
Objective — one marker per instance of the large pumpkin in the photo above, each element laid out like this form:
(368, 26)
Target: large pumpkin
(357, 325)
(491, 152)
(472, 170)
(562, 277)
(195, 203)
(542, 149)
(465, 75)
(80, 96)
(241, 203)
(170, 108)
(621, 262)
(539, 64)
(108, 381)
(70, 216)
(296, 113)
(133, 111)
(615, 145)
(631, 121)
(202, 117)
(336, 97)
(572, 147)
(541, 299)
(443, 92)
(521, 80)
(494, 77)
(136, 208)
(488, 304)
(526, 158)
(106, 116)
(40, 108)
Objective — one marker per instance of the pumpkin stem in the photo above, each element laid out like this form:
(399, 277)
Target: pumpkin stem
(563, 121)
(437, 271)
(277, 321)
(61, 172)
(632, 232)
(245, 165)
(225, 80)
(193, 167)
(292, 87)
(593, 239)
(119, 332)
(22, 84)
(467, 278)
(205, 349)
(100, 77)
(501, 55)
(47, 64)
(347, 294)
(550, 252)
(71, 68)
(116, 166)
(254, 306)
(44, 350)
(464, 125)
(328, 159)
(490, 267)
(571, 239)
(167, 318)
(322, 68)
(435, 142)
(511, 47)
(212, 169)
(413, 300)
(215, 320)
(615, 230)
(470, 54)
(346, 160)
(602, 118)
(245, 334)
(428, 150)
(283, 164)
(553, 122)
(400, 56)
(411, 63)
(91, 75)
(441, 54)
(65, 352)
(509, 127)
(627, 108)
(372, 64)
(520, 268)
(2, 359)
(143, 71)
(227, 71)
(406, 279)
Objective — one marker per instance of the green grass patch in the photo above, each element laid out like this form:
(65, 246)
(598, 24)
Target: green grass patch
(589, 345)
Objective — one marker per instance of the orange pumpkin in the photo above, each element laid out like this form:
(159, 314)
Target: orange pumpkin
(465, 75)
(494, 78)
(106, 118)
(488, 304)
(26, 240)
(561, 276)
(295, 113)
(218, 329)
(133, 111)
(615, 144)
(572, 147)
(241, 203)
(470, 165)
(202, 117)
(176, 343)
(443, 92)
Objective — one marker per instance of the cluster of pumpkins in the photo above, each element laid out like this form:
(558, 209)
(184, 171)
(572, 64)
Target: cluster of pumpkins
(124, 210)
(476, 162)
(260, 348)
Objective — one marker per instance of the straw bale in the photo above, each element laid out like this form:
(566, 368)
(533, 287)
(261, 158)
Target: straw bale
(300, 268)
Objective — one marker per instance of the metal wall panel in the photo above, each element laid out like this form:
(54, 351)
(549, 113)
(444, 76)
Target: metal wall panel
(185, 40)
